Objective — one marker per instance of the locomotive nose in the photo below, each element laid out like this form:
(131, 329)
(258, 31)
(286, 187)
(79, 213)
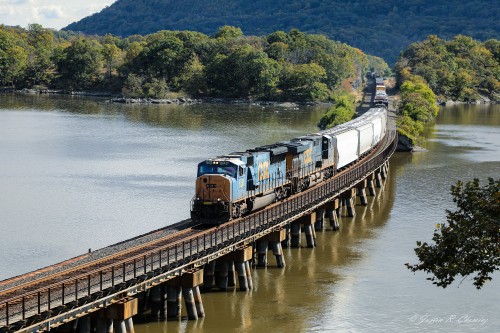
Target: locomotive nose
(213, 188)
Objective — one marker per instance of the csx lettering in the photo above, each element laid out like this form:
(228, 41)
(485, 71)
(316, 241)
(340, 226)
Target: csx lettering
(263, 170)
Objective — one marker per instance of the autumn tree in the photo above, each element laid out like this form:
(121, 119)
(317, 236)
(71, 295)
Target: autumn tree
(469, 243)
(111, 53)
(40, 64)
(13, 58)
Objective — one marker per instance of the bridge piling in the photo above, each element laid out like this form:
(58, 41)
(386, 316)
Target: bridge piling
(349, 198)
(361, 187)
(173, 302)
(371, 188)
(242, 275)
(241, 260)
(221, 274)
(208, 278)
(231, 282)
(275, 239)
(378, 179)
(278, 253)
(286, 242)
(331, 209)
(198, 302)
(119, 326)
(129, 325)
(309, 235)
(320, 215)
(163, 302)
(308, 222)
(187, 293)
(295, 234)
(84, 324)
(109, 325)
(249, 275)
(383, 171)
(155, 302)
(262, 247)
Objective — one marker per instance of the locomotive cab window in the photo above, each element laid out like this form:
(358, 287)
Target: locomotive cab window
(226, 169)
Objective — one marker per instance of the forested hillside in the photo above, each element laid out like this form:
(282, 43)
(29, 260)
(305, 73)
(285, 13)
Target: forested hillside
(381, 28)
(292, 66)
(460, 69)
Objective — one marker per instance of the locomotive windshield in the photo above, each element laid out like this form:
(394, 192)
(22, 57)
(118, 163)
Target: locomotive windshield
(223, 167)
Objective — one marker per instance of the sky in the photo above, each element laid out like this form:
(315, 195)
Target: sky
(55, 14)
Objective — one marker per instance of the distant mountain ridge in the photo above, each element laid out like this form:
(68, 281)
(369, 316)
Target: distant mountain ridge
(381, 28)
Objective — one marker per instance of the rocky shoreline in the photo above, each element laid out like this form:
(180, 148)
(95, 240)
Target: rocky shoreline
(114, 98)
(481, 100)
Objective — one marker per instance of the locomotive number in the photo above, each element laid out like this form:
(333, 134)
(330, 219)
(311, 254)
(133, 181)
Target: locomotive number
(263, 170)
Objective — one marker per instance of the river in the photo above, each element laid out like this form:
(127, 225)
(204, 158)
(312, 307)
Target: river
(79, 173)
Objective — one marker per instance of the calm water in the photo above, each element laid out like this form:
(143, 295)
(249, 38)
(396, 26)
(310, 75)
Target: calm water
(78, 174)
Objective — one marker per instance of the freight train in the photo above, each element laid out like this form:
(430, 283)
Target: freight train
(232, 185)
(380, 98)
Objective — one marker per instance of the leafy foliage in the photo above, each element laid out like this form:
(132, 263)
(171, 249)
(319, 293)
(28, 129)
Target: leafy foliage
(417, 106)
(382, 28)
(282, 66)
(80, 63)
(459, 69)
(341, 112)
(418, 100)
(470, 242)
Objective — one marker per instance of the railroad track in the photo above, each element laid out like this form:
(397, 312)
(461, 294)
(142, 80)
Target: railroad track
(28, 287)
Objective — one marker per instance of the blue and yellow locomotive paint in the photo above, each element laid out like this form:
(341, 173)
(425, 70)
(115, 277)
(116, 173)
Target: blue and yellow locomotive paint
(230, 186)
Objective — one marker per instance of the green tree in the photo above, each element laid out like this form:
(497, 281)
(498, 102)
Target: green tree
(111, 54)
(469, 243)
(410, 128)
(229, 32)
(304, 81)
(132, 87)
(41, 47)
(13, 58)
(192, 77)
(418, 100)
(133, 50)
(163, 57)
(277, 51)
(243, 72)
(341, 112)
(156, 88)
(80, 64)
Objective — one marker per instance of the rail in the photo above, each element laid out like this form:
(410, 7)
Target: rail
(35, 310)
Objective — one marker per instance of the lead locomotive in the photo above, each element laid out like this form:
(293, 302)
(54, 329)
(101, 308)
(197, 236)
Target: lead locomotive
(232, 185)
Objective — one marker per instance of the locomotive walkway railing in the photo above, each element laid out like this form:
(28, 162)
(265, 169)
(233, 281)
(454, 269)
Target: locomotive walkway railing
(90, 290)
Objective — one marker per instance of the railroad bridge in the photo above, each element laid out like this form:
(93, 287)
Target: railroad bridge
(104, 290)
